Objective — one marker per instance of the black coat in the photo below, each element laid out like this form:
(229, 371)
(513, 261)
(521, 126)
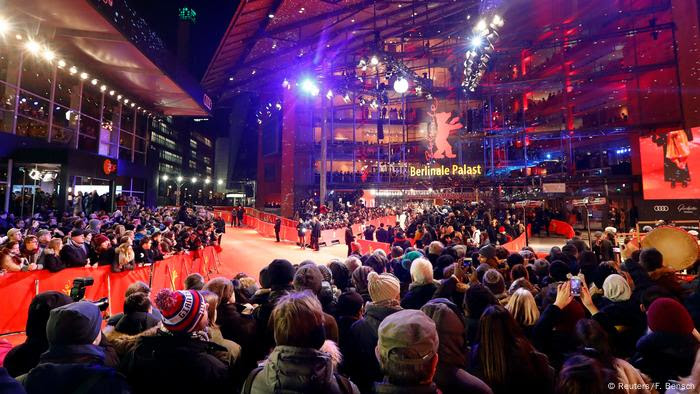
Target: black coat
(665, 356)
(361, 362)
(349, 236)
(53, 262)
(74, 256)
(167, 363)
(240, 329)
(106, 257)
(382, 235)
(316, 230)
(418, 296)
(67, 378)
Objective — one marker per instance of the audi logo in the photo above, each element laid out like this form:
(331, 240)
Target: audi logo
(661, 208)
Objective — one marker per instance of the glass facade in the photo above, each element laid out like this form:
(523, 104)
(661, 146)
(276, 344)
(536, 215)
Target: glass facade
(42, 100)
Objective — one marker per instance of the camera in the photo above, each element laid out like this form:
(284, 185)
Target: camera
(77, 292)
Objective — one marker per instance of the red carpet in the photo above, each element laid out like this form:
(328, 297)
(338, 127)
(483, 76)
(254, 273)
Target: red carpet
(244, 250)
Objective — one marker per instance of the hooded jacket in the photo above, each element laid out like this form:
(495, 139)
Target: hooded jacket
(450, 376)
(25, 356)
(292, 369)
(418, 295)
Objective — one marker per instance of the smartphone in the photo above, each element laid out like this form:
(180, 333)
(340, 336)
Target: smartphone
(575, 287)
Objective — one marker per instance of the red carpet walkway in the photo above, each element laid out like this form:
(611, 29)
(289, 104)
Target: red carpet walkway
(244, 250)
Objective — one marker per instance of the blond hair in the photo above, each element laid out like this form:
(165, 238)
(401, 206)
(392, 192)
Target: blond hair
(523, 308)
(298, 320)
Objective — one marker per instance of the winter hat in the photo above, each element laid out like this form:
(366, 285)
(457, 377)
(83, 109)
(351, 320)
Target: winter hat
(182, 310)
(481, 271)
(99, 239)
(559, 270)
(494, 281)
(349, 303)
(39, 311)
(280, 272)
(411, 331)
(308, 277)
(501, 229)
(442, 262)
(616, 288)
(383, 287)
(360, 279)
(340, 274)
(408, 259)
(326, 273)
(669, 315)
(488, 251)
(77, 323)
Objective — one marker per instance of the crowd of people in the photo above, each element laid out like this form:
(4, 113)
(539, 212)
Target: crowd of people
(451, 312)
(122, 240)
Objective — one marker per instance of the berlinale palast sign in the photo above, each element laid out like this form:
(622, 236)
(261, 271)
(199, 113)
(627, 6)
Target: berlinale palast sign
(453, 170)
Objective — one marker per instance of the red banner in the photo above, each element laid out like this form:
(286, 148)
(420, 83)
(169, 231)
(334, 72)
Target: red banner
(18, 288)
(370, 246)
(519, 243)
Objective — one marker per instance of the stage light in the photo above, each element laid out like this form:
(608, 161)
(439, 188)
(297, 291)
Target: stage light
(401, 85)
(285, 83)
(346, 98)
(165, 177)
(481, 26)
(309, 87)
(179, 178)
(48, 54)
(194, 179)
(132, 104)
(94, 81)
(61, 63)
(119, 97)
(329, 94)
(126, 101)
(270, 16)
(477, 41)
(220, 182)
(374, 61)
(72, 70)
(83, 75)
(103, 88)
(207, 181)
(32, 47)
(278, 106)
(4, 26)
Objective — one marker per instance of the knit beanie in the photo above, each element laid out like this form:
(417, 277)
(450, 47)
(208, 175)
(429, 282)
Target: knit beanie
(308, 277)
(280, 272)
(98, 239)
(383, 287)
(349, 303)
(408, 259)
(669, 315)
(494, 281)
(326, 273)
(616, 288)
(488, 251)
(181, 310)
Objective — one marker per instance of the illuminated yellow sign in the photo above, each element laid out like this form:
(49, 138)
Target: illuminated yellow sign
(455, 170)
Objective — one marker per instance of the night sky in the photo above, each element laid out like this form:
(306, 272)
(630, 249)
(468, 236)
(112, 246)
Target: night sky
(213, 17)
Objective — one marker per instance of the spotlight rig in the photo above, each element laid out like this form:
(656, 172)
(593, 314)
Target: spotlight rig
(482, 47)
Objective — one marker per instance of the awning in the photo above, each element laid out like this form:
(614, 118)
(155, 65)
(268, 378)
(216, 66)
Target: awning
(107, 38)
